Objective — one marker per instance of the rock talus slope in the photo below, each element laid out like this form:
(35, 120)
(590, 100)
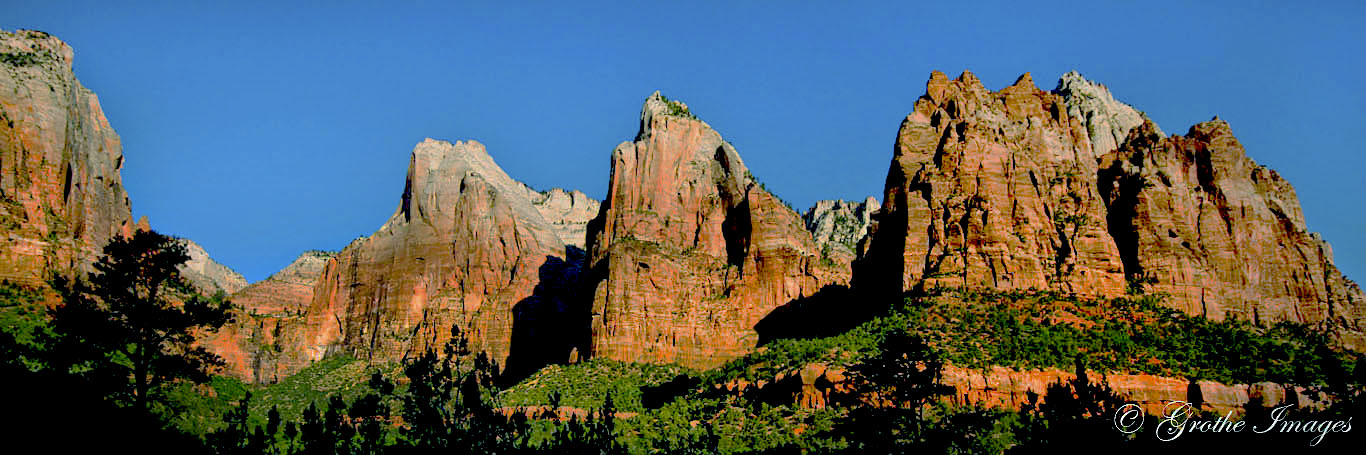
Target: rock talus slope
(689, 252)
(61, 195)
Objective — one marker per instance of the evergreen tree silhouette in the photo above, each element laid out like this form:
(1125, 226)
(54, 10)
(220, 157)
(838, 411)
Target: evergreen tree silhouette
(132, 326)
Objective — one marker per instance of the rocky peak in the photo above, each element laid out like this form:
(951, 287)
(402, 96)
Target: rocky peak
(440, 172)
(304, 269)
(32, 47)
(465, 247)
(270, 318)
(689, 252)
(1107, 121)
(838, 226)
(207, 275)
(61, 193)
(1194, 217)
(568, 211)
(990, 189)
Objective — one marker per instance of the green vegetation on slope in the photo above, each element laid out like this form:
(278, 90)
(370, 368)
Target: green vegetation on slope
(586, 385)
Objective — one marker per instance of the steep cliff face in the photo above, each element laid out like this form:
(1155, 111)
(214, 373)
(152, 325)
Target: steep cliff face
(467, 246)
(61, 195)
(689, 253)
(1199, 220)
(838, 226)
(993, 189)
(269, 318)
(208, 275)
(1075, 191)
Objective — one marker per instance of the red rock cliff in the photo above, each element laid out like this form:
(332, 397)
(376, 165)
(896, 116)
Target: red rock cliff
(1073, 190)
(689, 252)
(270, 316)
(466, 246)
(61, 196)
(993, 189)
(1221, 234)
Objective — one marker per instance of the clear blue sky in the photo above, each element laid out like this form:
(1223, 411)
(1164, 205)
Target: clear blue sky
(261, 130)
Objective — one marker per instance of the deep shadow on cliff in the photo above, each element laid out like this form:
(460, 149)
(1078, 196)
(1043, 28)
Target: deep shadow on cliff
(553, 325)
(833, 310)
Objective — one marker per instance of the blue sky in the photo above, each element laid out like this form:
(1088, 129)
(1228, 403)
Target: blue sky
(262, 130)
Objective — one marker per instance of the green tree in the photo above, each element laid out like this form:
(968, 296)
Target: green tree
(133, 325)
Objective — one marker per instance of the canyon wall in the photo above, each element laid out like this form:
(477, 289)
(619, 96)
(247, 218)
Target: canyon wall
(61, 194)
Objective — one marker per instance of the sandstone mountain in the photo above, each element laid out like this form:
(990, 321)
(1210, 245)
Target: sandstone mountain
(467, 246)
(689, 252)
(838, 226)
(61, 195)
(1222, 235)
(1072, 190)
(993, 189)
(207, 275)
(270, 316)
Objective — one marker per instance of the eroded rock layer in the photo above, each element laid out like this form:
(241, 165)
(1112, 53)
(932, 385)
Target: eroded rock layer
(689, 253)
(61, 195)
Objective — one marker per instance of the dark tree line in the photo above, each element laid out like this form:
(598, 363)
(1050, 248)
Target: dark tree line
(449, 403)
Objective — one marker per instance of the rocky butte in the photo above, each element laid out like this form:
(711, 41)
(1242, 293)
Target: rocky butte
(61, 195)
(1071, 190)
(689, 252)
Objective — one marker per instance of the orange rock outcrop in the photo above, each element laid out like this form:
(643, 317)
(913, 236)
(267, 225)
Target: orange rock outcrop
(689, 252)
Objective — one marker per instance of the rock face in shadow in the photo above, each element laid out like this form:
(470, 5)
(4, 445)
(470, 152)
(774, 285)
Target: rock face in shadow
(1197, 219)
(991, 189)
(61, 195)
(689, 252)
(465, 247)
